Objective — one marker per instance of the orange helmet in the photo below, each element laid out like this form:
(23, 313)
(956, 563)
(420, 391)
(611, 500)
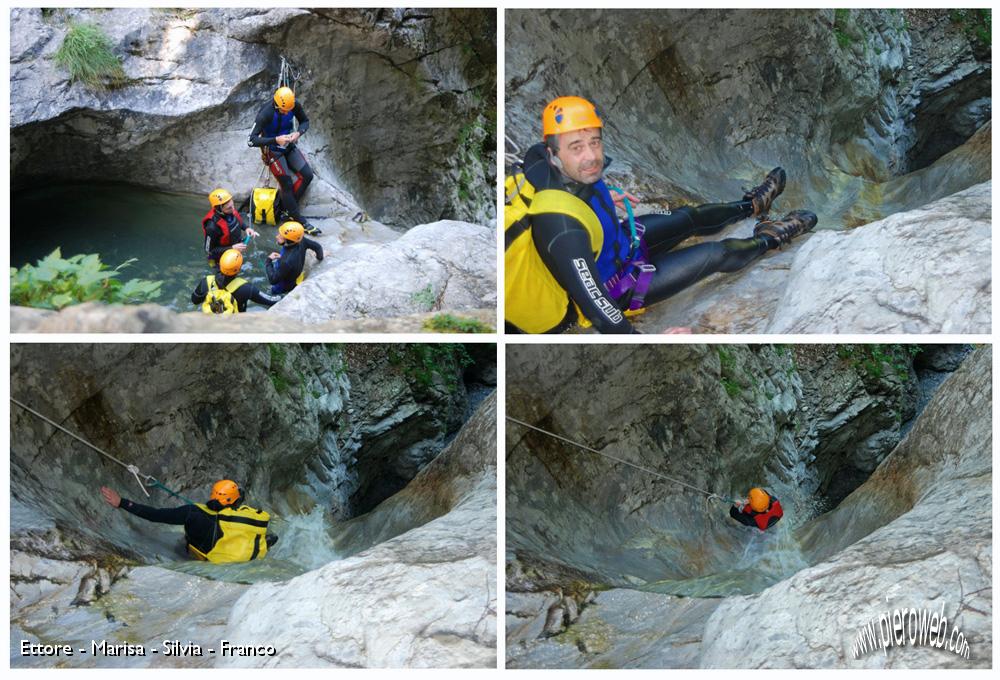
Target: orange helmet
(225, 491)
(566, 114)
(759, 500)
(219, 197)
(284, 99)
(230, 262)
(291, 231)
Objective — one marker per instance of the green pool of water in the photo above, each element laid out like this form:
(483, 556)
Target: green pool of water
(118, 222)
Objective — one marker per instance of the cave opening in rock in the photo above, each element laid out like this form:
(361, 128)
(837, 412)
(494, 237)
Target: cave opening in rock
(309, 432)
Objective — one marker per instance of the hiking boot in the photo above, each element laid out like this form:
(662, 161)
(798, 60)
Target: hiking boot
(784, 230)
(763, 195)
(310, 229)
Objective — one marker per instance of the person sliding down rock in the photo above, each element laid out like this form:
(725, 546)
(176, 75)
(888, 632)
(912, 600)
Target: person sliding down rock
(760, 509)
(223, 529)
(223, 227)
(568, 256)
(272, 132)
(226, 293)
(285, 269)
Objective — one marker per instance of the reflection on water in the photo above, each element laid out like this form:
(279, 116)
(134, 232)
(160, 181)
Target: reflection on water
(119, 222)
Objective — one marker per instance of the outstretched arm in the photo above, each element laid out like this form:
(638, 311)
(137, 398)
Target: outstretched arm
(161, 515)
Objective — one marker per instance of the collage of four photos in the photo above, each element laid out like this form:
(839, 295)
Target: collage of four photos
(273, 399)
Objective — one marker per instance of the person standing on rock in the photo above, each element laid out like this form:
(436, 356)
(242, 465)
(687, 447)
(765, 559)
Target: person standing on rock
(226, 293)
(285, 270)
(223, 227)
(569, 258)
(760, 509)
(274, 135)
(223, 529)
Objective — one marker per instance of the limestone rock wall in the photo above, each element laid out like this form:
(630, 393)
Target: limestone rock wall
(401, 104)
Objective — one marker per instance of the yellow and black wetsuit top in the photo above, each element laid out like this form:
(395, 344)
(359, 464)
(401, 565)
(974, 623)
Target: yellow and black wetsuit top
(213, 532)
(567, 249)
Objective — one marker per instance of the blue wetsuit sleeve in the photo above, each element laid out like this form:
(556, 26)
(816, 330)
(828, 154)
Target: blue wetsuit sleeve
(200, 292)
(301, 117)
(315, 247)
(269, 270)
(160, 515)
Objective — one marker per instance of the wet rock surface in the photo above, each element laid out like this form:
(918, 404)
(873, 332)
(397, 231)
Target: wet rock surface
(578, 523)
(885, 112)
(398, 101)
(315, 434)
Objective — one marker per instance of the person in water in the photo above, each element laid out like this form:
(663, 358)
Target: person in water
(285, 269)
(223, 529)
(223, 227)
(567, 249)
(224, 292)
(274, 135)
(760, 509)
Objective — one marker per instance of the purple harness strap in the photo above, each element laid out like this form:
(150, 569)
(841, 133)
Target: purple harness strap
(634, 277)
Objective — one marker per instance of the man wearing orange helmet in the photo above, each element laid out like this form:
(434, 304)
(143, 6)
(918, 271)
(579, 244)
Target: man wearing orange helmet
(223, 227)
(225, 292)
(760, 509)
(285, 270)
(585, 260)
(274, 134)
(223, 529)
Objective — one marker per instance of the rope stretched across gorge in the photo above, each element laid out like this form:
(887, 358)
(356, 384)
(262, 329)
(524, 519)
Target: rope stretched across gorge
(620, 460)
(150, 481)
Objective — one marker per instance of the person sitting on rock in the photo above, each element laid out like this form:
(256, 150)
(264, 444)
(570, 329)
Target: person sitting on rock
(223, 227)
(569, 257)
(285, 269)
(223, 529)
(760, 509)
(226, 293)
(272, 132)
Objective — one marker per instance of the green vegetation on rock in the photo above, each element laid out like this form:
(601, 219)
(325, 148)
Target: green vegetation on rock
(977, 24)
(54, 283)
(86, 53)
(428, 363)
(448, 323)
(873, 359)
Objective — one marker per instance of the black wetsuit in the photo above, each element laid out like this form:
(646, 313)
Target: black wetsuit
(243, 294)
(214, 236)
(283, 271)
(562, 242)
(201, 529)
(288, 165)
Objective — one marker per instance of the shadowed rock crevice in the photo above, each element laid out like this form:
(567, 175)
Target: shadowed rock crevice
(610, 567)
(310, 432)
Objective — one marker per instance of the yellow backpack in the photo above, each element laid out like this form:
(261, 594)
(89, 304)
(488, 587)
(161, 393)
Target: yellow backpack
(244, 534)
(221, 300)
(533, 299)
(263, 204)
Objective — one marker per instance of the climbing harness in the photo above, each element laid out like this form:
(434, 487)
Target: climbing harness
(619, 460)
(150, 481)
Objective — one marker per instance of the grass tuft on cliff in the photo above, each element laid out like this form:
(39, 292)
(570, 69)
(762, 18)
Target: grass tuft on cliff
(86, 54)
